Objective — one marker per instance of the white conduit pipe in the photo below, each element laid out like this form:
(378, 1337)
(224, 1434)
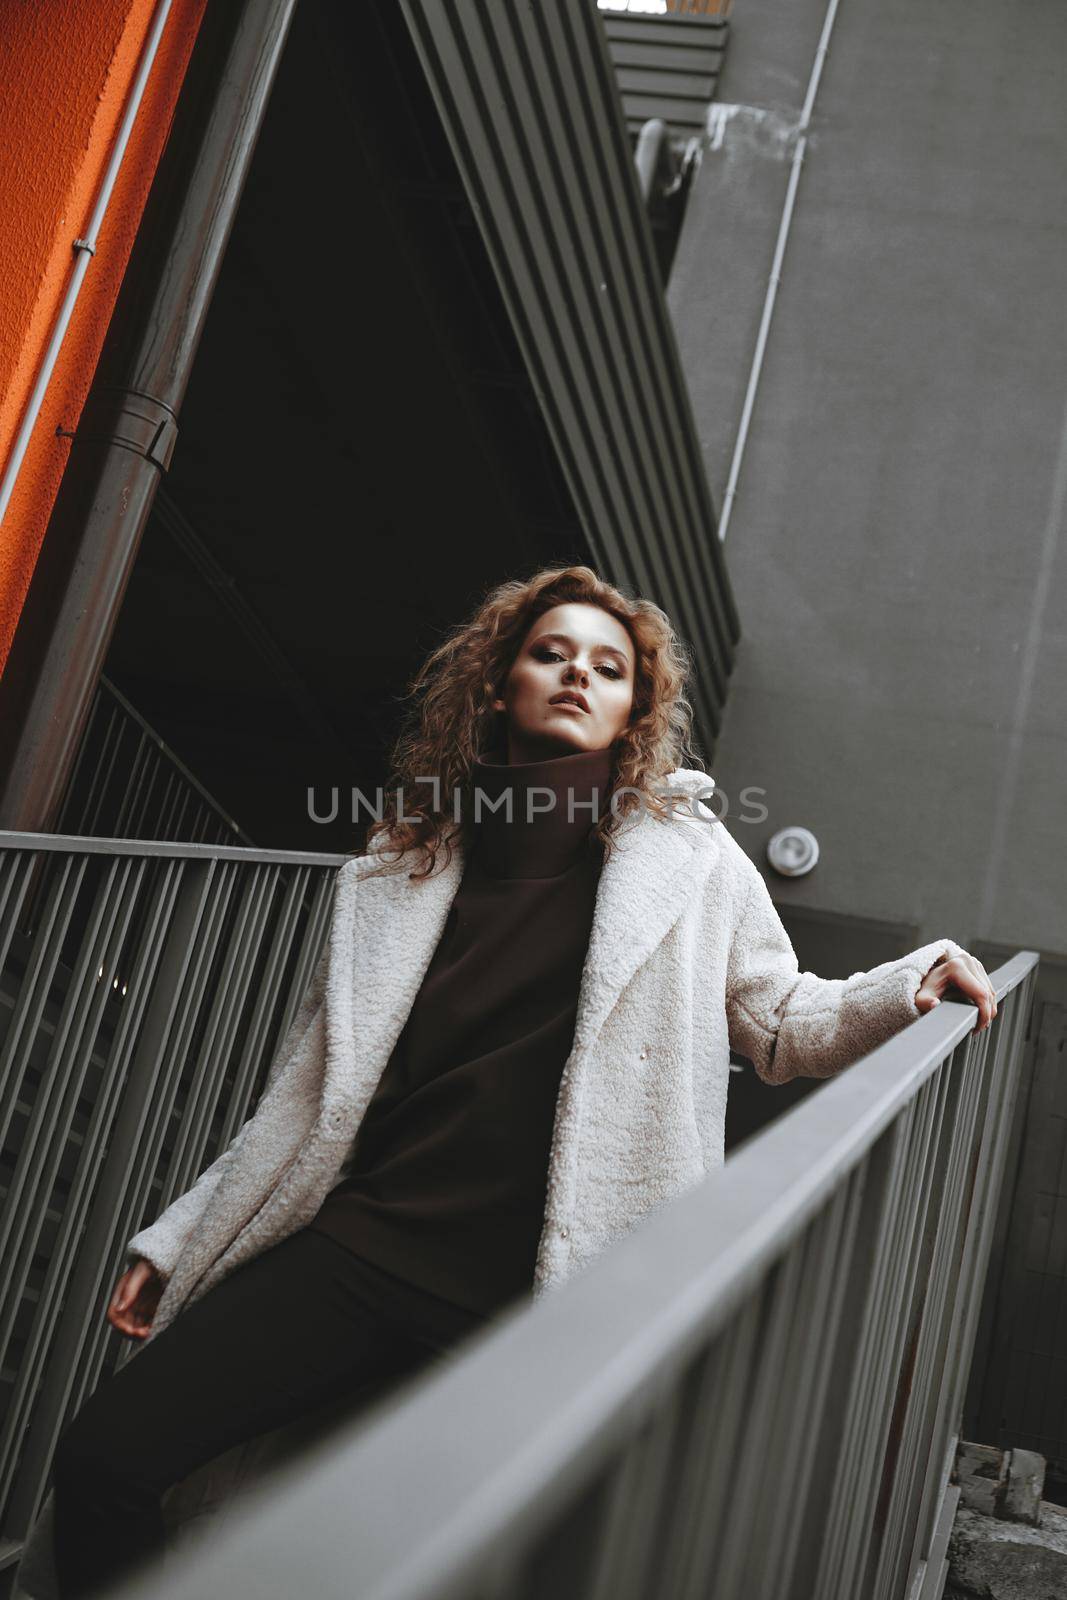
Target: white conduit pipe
(84, 248)
(776, 268)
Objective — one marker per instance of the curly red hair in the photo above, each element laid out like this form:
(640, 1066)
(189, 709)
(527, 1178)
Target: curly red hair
(450, 723)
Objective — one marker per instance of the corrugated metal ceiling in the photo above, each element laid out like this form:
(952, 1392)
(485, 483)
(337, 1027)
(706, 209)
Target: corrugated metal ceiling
(527, 97)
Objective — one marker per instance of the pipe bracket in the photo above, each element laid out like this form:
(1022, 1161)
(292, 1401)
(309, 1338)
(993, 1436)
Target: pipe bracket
(136, 421)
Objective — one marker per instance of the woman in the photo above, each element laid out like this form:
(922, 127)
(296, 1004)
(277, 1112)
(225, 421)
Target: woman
(525, 1017)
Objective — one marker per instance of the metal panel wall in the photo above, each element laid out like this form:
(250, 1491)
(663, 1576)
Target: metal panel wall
(667, 66)
(528, 98)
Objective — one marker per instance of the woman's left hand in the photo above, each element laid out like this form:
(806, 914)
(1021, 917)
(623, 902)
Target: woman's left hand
(964, 972)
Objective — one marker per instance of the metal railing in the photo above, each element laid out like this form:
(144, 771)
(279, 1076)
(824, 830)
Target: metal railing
(754, 1394)
(699, 8)
(670, 8)
(144, 989)
(128, 782)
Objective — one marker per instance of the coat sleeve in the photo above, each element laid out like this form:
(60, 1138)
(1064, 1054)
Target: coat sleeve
(791, 1024)
(162, 1241)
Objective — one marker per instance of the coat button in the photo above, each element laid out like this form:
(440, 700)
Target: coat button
(644, 1055)
(563, 1233)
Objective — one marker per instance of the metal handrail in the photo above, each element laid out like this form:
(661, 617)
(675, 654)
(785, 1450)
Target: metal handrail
(698, 8)
(755, 1393)
(168, 849)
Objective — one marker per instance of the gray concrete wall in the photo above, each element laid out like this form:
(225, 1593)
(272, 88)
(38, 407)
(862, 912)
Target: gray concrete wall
(896, 544)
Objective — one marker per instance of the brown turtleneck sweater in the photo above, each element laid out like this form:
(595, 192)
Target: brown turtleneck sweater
(445, 1181)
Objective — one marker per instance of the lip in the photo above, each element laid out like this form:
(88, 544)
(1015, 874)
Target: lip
(570, 697)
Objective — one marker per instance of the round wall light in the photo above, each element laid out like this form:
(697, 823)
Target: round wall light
(793, 851)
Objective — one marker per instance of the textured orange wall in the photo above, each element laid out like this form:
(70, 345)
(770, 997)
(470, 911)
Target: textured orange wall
(68, 66)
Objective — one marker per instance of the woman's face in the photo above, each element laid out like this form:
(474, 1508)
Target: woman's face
(578, 648)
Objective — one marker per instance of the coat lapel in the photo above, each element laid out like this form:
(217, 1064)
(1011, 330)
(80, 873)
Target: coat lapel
(644, 885)
(385, 930)
(383, 934)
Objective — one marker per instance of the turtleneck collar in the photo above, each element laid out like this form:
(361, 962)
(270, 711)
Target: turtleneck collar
(539, 843)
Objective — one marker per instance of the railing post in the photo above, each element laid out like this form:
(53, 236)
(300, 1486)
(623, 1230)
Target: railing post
(862, 1258)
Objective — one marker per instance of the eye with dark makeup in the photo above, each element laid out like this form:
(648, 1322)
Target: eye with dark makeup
(546, 651)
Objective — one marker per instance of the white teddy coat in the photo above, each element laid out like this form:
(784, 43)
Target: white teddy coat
(687, 959)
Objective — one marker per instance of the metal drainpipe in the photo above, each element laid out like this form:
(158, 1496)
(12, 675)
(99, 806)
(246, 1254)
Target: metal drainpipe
(128, 429)
(799, 150)
(84, 249)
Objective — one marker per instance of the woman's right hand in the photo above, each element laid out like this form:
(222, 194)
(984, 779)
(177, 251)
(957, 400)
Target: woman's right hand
(133, 1304)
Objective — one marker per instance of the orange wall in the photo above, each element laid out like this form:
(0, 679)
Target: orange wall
(68, 67)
